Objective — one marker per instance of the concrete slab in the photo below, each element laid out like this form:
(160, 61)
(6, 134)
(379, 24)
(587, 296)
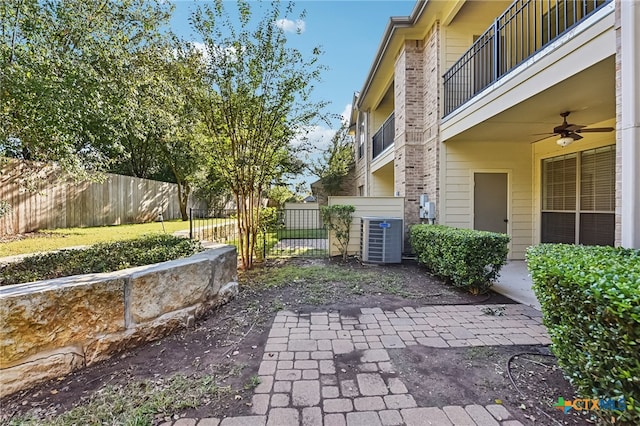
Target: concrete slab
(515, 283)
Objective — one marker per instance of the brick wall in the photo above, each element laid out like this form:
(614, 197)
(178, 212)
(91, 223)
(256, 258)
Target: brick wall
(417, 118)
(431, 94)
(408, 143)
(349, 188)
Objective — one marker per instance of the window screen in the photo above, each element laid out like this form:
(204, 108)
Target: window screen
(588, 176)
(597, 179)
(559, 183)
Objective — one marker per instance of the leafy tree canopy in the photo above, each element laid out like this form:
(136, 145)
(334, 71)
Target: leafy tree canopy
(336, 162)
(63, 64)
(258, 103)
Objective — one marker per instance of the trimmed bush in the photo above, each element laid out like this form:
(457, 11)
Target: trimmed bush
(103, 257)
(467, 258)
(590, 299)
(337, 219)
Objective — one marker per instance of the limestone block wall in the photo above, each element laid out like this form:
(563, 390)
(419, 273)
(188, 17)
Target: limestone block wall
(50, 328)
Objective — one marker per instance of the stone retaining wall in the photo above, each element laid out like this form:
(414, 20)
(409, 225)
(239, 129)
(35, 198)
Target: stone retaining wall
(50, 328)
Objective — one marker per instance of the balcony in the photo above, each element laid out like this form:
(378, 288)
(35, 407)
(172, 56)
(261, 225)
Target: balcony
(383, 138)
(525, 28)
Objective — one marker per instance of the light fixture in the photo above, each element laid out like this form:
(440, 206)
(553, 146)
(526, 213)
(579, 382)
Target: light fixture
(565, 141)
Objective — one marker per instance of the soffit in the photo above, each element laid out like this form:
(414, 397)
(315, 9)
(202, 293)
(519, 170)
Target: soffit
(589, 95)
(416, 27)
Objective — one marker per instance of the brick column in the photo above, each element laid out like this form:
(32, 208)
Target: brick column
(409, 119)
(431, 136)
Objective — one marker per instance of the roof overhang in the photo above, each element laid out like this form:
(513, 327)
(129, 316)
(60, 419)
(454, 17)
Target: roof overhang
(399, 29)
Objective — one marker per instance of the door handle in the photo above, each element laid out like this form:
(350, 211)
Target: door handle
(506, 220)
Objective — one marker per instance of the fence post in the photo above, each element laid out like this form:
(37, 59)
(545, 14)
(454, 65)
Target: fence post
(264, 244)
(191, 223)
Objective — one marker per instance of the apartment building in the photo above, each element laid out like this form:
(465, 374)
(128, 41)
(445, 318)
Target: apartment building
(518, 117)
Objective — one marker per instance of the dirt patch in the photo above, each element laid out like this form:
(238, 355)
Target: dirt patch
(478, 375)
(227, 345)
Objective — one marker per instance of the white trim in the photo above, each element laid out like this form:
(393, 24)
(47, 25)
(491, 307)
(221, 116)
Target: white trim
(629, 126)
(385, 157)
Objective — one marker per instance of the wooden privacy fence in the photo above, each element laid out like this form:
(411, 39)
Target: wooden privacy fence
(60, 202)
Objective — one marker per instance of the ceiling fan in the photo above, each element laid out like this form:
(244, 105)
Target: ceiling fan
(569, 132)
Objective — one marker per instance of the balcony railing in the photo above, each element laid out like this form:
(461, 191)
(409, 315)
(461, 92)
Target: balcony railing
(526, 27)
(383, 138)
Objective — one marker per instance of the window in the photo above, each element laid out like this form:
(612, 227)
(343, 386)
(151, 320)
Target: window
(578, 198)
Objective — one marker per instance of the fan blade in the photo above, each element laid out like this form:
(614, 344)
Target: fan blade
(596, 129)
(559, 129)
(574, 136)
(548, 135)
(540, 134)
(573, 127)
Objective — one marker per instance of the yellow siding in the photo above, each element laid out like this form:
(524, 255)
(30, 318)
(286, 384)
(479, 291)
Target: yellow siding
(379, 116)
(462, 159)
(365, 207)
(382, 181)
(473, 19)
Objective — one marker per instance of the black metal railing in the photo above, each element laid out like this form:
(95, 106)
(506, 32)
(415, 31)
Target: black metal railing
(526, 27)
(221, 228)
(383, 138)
(291, 233)
(296, 233)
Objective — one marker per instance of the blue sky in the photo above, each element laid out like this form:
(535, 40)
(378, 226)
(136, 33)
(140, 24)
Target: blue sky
(349, 33)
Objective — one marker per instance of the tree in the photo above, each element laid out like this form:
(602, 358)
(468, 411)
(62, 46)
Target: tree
(336, 162)
(161, 128)
(209, 189)
(280, 194)
(258, 103)
(62, 63)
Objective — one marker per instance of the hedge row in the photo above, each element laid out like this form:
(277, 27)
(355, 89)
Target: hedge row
(590, 299)
(103, 257)
(469, 259)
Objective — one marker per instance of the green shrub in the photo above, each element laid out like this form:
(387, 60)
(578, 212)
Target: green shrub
(590, 299)
(468, 259)
(337, 219)
(103, 257)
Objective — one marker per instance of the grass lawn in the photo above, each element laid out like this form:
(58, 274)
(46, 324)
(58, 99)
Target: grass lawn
(59, 238)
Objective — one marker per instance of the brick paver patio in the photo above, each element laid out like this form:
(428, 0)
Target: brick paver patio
(300, 385)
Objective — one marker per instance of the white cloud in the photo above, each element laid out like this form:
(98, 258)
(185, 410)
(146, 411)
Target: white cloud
(346, 114)
(316, 137)
(230, 53)
(202, 48)
(290, 26)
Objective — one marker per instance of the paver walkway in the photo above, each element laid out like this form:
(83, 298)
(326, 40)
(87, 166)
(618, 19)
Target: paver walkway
(300, 384)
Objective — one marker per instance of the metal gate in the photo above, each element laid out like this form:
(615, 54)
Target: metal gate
(221, 228)
(293, 233)
(297, 233)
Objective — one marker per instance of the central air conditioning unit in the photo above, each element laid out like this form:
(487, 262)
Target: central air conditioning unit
(381, 240)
